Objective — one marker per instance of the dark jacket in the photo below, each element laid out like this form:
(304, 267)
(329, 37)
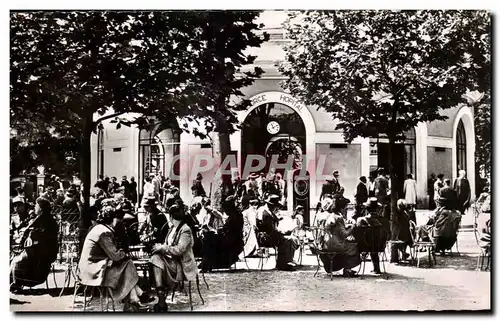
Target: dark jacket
(361, 193)
(32, 266)
(462, 188)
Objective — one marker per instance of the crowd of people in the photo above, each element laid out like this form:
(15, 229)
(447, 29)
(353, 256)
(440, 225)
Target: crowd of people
(179, 239)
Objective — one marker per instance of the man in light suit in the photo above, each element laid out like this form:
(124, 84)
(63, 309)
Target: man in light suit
(174, 260)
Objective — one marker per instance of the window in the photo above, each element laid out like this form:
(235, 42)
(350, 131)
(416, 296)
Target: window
(100, 152)
(461, 147)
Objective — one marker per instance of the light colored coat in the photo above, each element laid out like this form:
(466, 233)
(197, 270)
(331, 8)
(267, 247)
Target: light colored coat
(101, 263)
(410, 191)
(182, 248)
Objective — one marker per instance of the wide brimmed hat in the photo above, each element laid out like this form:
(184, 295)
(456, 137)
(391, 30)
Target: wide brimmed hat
(273, 200)
(372, 202)
(253, 175)
(176, 212)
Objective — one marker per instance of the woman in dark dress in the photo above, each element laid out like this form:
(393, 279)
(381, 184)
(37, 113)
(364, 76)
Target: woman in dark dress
(40, 245)
(221, 249)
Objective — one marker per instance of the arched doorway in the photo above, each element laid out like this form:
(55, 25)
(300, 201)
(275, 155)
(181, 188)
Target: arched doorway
(464, 146)
(275, 130)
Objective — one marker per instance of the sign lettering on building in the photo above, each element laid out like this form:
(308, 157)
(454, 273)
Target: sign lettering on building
(283, 98)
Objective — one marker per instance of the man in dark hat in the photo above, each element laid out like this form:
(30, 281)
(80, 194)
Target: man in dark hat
(269, 235)
(330, 187)
(361, 195)
(442, 226)
(372, 231)
(173, 260)
(125, 186)
(156, 223)
(197, 187)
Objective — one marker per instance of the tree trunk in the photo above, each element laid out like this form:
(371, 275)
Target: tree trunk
(394, 199)
(84, 221)
(221, 188)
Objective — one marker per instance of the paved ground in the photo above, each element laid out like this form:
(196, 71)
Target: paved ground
(453, 284)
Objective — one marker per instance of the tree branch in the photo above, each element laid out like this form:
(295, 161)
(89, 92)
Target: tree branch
(107, 117)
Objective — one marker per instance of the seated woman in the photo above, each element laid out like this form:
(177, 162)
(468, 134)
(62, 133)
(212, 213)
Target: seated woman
(222, 247)
(372, 231)
(336, 238)
(442, 226)
(269, 236)
(249, 226)
(173, 260)
(39, 248)
(404, 218)
(103, 264)
(155, 227)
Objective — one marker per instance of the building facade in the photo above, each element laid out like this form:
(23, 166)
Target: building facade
(277, 119)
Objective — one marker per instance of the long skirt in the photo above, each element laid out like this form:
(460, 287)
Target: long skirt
(121, 278)
(250, 238)
(29, 269)
(286, 250)
(171, 269)
(340, 261)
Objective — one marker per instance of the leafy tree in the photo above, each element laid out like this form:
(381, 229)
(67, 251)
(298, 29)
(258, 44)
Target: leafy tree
(380, 73)
(72, 70)
(224, 37)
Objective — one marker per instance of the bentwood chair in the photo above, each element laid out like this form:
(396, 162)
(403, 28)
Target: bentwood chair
(319, 234)
(180, 285)
(103, 291)
(484, 257)
(429, 247)
(372, 239)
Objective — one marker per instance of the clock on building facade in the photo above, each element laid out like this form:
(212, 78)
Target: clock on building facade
(273, 127)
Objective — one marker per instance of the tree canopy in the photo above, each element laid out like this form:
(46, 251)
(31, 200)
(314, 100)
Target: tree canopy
(383, 72)
(72, 70)
(380, 73)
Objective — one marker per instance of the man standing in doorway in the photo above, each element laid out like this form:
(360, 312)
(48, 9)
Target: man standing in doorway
(430, 191)
(381, 191)
(438, 184)
(462, 187)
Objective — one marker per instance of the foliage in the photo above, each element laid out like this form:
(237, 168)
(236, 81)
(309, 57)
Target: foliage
(383, 72)
(223, 69)
(380, 73)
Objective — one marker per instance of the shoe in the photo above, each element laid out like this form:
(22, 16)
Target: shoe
(376, 272)
(144, 298)
(134, 307)
(160, 307)
(349, 273)
(287, 267)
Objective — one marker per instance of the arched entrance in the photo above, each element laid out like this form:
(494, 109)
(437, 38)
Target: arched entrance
(273, 129)
(308, 149)
(158, 148)
(464, 146)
